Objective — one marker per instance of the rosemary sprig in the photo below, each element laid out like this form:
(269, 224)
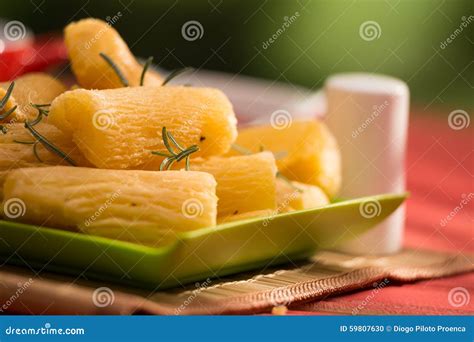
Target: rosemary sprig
(47, 144)
(172, 156)
(175, 73)
(4, 101)
(41, 112)
(40, 139)
(35, 145)
(8, 113)
(145, 68)
(116, 69)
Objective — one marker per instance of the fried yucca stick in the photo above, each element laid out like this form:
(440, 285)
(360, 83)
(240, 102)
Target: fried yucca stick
(137, 206)
(118, 128)
(293, 195)
(86, 39)
(36, 88)
(244, 183)
(306, 151)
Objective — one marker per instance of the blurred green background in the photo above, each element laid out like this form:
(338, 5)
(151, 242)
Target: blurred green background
(324, 38)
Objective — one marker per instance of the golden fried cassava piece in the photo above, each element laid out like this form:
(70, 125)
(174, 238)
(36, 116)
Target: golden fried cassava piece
(293, 195)
(136, 206)
(37, 88)
(118, 128)
(14, 155)
(86, 39)
(306, 152)
(244, 183)
(17, 151)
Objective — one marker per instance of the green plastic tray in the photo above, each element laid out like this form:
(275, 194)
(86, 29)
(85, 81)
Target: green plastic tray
(210, 252)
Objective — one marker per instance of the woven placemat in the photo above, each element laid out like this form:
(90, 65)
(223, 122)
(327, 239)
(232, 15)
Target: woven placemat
(326, 274)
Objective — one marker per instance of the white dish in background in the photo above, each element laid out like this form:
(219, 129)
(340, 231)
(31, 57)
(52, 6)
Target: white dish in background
(256, 99)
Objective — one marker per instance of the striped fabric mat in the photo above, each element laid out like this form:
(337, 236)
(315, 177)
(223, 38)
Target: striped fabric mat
(327, 274)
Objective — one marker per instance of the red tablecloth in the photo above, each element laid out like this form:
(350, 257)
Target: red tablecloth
(440, 168)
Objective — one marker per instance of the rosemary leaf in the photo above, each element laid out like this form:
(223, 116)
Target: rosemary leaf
(35, 151)
(4, 100)
(145, 68)
(24, 142)
(173, 140)
(116, 69)
(7, 113)
(41, 112)
(172, 157)
(175, 73)
(164, 135)
(158, 153)
(48, 145)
